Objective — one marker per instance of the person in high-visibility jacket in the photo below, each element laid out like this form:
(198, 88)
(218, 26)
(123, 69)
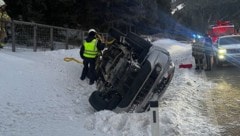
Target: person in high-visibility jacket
(3, 20)
(90, 48)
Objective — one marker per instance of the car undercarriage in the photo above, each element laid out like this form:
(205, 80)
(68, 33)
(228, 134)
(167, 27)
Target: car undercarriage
(130, 73)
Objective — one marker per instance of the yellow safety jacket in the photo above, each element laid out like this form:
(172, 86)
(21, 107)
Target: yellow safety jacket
(90, 49)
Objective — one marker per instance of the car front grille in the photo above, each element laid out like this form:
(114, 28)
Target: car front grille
(232, 51)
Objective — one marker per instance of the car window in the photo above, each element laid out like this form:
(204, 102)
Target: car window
(229, 40)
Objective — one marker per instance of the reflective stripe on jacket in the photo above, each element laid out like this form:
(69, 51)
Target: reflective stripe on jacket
(90, 49)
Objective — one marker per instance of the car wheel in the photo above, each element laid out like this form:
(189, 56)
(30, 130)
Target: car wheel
(101, 101)
(116, 34)
(139, 45)
(142, 43)
(114, 100)
(97, 101)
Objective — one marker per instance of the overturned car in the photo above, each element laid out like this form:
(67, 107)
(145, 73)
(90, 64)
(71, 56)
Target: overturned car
(131, 72)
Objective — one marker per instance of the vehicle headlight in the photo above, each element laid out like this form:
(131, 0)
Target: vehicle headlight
(171, 65)
(221, 57)
(222, 51)
(158, 68)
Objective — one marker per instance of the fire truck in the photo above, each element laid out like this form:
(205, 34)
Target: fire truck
(220, 28)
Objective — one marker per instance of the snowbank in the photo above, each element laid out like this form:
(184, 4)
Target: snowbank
(40, 94)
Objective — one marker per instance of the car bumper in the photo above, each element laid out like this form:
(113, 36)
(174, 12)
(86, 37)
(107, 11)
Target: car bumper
(235, 59)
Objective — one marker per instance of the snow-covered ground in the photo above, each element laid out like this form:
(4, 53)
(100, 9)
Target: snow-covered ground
(42, 95)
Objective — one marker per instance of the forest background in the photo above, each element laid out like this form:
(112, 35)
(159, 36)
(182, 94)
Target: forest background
(140, 16)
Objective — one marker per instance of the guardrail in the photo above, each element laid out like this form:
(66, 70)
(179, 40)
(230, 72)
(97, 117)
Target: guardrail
(42, 37)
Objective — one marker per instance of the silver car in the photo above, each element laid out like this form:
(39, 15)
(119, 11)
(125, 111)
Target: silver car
(130, 73)
(227, 50)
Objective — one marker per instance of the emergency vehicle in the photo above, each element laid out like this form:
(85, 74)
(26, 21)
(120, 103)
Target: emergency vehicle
(220, 28)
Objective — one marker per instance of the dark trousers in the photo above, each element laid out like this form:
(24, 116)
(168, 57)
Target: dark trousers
(208, 61)
(89, 69)
(199, 63)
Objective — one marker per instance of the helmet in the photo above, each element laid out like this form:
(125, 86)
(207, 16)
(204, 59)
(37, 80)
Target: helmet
(92, 30)
(2, 3)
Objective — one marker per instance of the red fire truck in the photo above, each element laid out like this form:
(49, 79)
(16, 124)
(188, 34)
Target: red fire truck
(221, 28)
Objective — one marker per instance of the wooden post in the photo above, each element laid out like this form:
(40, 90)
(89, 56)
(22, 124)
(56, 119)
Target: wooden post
(154, 118)
(67, 38)
(35, 38)
(13, 37)
(82, 36)
(51, 38)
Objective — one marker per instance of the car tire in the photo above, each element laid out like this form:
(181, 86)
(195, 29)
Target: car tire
(116, 34)
(108, 101)
(113, 101)
(139, 45)
(97, 101)
(142, 43)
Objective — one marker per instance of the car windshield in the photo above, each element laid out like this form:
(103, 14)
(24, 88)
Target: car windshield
(229, 40)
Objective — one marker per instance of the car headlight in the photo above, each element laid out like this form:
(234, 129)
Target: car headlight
(158, 68)
(222, 51)
(221, 57)
(171, 65)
